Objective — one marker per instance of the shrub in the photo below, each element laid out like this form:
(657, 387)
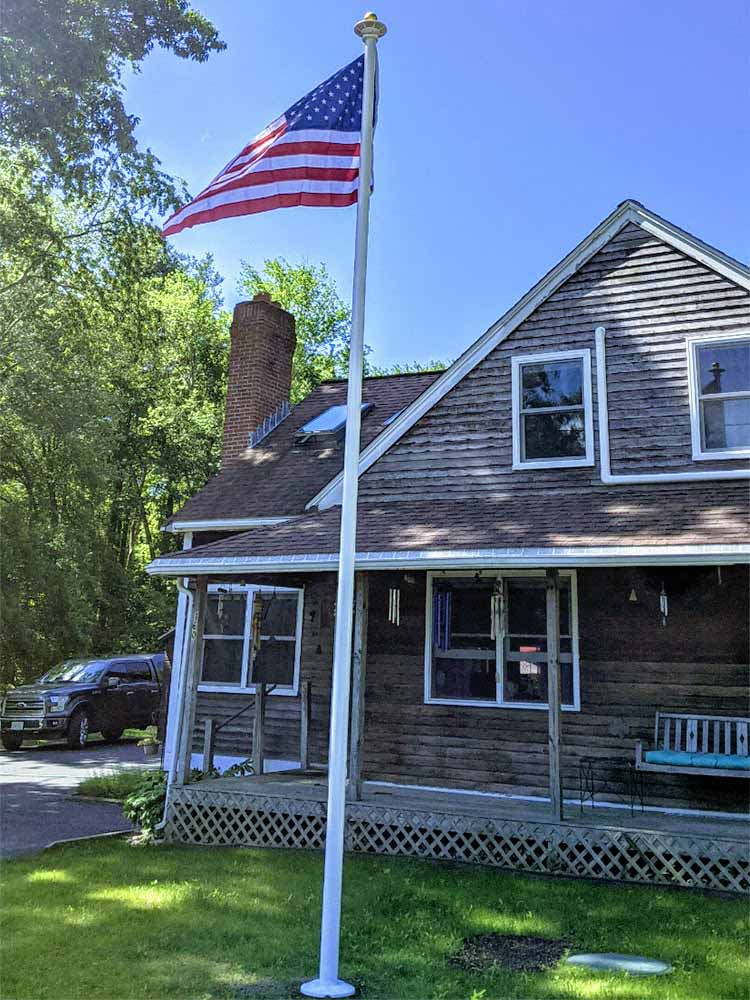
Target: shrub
(145, 804)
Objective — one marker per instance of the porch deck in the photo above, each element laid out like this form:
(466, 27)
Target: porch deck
(287, 809)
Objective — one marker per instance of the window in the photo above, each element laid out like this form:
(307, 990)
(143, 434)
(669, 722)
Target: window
(130, 671)
(487, 640)
(720, 397)
(252, 635)
(552, 415)
(329, 421)
(275, 631)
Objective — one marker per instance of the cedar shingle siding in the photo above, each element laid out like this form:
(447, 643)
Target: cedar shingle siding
(650, 298)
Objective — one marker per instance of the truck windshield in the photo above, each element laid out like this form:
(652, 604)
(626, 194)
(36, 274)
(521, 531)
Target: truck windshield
(76, 671)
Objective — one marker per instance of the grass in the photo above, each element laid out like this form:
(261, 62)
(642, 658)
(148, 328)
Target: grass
(106, 921)
(129, 736)
(115, 784)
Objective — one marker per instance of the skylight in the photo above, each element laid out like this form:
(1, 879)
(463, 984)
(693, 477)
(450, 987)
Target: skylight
(329, 421)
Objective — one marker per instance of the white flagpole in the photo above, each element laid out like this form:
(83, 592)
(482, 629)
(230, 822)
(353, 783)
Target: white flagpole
(328, 983)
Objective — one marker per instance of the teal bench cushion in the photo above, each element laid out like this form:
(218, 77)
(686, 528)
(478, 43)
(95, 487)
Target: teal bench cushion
(681, 758)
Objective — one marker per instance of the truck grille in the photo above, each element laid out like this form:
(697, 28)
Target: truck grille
(23, 708)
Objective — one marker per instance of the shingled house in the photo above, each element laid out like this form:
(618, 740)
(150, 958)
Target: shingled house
(550, 664)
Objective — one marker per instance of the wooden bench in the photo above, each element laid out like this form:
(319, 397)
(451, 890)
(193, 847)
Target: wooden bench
(714, 745)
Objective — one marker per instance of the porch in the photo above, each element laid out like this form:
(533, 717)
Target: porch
(288, 809)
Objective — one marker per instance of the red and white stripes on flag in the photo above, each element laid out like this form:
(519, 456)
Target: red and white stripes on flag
(308, 156)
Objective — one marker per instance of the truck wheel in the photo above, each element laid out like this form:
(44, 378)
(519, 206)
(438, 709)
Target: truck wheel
(11, 741)
(78, 730)
(112, 735)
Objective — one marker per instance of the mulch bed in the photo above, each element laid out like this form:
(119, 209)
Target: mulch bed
(514, 952)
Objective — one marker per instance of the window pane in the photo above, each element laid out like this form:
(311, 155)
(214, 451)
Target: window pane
(527, 610)
(527, 681)
(556, 383)
(554, 435)
(278, 614)
(726, 423)
(222, 661)
(225, 614)
(471, 622)
(137, 670)
(464, 679)
(274, 663)
(725, 368)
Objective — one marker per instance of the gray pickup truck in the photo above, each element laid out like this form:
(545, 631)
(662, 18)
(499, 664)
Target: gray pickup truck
(103, 695)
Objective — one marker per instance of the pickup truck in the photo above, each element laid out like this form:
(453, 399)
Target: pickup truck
(103, 695)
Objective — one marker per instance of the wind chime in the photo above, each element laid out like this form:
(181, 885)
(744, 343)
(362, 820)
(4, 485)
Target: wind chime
(394, 605)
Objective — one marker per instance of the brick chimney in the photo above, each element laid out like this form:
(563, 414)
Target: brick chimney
(261, 348)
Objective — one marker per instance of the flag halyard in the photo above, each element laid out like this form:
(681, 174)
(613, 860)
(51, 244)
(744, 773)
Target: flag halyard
(308, 156)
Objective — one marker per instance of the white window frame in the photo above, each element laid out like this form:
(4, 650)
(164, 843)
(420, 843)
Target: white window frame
(693, 344)
(244, 687)
(517, 362)
(500, 702)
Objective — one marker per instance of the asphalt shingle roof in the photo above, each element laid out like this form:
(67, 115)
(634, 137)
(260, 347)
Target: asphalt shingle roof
(653, 515)
(280, 475)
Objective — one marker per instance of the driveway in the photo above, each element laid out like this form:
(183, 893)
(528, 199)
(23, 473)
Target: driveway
(36, 789)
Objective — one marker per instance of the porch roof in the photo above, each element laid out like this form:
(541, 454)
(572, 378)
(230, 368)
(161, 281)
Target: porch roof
(652, 524)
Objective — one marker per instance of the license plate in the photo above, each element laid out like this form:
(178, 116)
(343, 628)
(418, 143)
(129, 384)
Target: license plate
(16, 725)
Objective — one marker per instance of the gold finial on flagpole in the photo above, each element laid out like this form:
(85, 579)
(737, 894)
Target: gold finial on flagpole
(370, 27)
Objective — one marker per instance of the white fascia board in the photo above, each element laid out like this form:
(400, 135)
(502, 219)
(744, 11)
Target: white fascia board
(225, 524)
(629, 211)
(505, 558)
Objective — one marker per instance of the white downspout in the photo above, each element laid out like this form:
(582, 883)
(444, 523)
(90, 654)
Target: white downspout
(604, 453)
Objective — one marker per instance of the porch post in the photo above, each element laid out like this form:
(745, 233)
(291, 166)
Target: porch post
(194, 659)
(259, 726)
(553, 691)
(359, 658)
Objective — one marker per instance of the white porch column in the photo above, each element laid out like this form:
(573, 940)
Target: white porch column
(553, 692)
(178, 662)
(193, 661)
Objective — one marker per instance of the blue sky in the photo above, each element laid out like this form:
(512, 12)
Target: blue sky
(506, 132)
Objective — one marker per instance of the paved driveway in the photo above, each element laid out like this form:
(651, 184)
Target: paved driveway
(36, 788)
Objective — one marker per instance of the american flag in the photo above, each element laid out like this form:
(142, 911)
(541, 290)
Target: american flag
(308, 156)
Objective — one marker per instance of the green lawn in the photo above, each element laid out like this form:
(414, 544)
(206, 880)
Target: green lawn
(105, 920)
(115, 784)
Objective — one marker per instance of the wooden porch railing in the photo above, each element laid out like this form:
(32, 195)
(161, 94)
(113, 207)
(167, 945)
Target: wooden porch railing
(212, 728)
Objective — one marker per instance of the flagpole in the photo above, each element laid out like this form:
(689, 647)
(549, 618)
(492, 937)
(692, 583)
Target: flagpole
(328, 983)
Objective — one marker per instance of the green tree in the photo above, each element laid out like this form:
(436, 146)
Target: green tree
(61, 93)
(111, 408)
(322, 319)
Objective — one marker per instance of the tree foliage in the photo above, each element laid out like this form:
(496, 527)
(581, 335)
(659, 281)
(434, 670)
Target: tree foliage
(322, 322)
(62, 87)
(111, 407)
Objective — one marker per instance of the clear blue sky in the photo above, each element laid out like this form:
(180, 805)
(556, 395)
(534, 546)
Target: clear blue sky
(506, 132)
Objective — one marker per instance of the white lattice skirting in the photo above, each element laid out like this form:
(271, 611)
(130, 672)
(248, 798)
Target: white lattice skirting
(223, 818)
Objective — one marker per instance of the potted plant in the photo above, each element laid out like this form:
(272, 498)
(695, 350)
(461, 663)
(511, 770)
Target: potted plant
(149, 742)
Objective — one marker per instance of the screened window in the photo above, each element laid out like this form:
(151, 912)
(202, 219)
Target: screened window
(552, 422)
(721, 412)
(224, 637)
(252, 635)
(275, 643)
(489, 641)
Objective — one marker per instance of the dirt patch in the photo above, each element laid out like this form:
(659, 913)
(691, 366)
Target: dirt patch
(514, 952)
